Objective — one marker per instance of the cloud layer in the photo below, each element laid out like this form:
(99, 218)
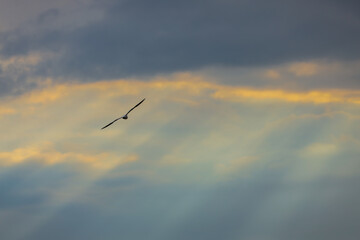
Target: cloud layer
(259, 164)
(249, 129)
(138, 37)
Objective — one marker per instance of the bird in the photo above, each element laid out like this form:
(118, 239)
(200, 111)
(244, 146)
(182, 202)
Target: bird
(125, 116)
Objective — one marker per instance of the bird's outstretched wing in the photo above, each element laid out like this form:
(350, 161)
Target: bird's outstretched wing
(135, 106)
(111, 122)
(125, 116)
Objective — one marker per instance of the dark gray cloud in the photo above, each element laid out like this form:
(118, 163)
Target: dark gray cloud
(142, 37)
(48, 15)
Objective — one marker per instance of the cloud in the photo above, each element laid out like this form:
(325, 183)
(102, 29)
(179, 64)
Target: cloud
(5, 111)
(259, 139)
(41, 12)
(263, 207)
(170, 130)
(250, 166)
(304, 69)
(48, 15)
(57, 112)
(226, 168)
(16, 193)
(47, 155)
(194, 85)
(292, 76)
(136, 38)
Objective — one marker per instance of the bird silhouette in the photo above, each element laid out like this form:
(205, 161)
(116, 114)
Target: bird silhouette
(125, 116)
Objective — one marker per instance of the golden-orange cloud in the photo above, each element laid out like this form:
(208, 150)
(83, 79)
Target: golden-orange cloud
(6, 110)
(317, 97)
(304, 68)
(182, 84)
(46, 154)
(73, 113)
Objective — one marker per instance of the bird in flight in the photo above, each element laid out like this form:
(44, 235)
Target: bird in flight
(125, 116)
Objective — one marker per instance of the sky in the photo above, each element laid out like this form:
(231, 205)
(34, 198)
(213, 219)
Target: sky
(250, 127)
